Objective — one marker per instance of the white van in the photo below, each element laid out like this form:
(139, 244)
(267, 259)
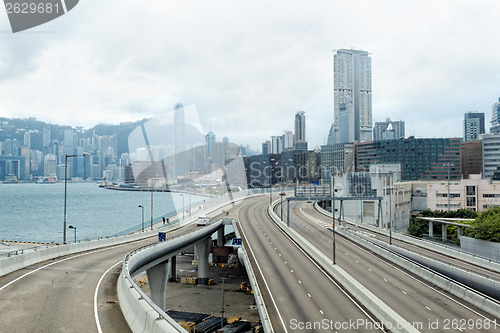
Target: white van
(203, 220)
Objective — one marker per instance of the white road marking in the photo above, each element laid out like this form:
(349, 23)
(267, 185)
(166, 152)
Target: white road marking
(96, 314)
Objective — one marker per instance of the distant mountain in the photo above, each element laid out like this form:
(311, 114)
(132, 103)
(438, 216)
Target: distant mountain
(122, 131)
(14, 128)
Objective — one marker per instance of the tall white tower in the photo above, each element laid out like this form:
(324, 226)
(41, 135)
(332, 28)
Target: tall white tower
(352, 95)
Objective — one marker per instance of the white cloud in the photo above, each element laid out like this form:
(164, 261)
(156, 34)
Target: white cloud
(248, 66)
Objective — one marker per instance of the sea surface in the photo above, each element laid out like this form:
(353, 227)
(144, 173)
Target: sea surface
(35, 212)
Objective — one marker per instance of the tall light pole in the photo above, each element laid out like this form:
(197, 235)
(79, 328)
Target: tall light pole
(73, 227)
(449, 165)
(141, 206)
(391, 180)
(66, 189)
(151, 208)
(333, 205)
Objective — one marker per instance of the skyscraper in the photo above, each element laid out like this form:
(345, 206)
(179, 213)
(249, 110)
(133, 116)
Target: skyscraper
(495, 118)
(473, 125)
(300, 131)
(352, 95)
(300, 126)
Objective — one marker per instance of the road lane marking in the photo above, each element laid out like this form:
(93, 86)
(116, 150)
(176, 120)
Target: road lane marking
(59, 261)
(263, 278)
(96, 314)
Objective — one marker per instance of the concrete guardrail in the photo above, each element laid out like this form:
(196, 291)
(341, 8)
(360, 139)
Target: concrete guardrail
(382, 311)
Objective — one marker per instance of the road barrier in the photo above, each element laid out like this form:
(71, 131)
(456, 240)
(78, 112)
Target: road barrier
(433, 246)
(376, 306)
(460, 290)
(139, 311)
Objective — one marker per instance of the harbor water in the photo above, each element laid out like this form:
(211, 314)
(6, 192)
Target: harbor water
(35, 212)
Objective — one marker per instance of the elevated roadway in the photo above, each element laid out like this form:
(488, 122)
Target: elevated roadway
(417, 301)
(296, 290)
(76, 293)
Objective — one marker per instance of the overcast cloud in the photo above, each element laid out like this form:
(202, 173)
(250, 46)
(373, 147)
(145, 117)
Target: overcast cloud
(248, 66)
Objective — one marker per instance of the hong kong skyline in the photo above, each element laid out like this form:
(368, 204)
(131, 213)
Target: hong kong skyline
(245, 67)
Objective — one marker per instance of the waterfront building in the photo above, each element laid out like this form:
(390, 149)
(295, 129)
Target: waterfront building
(422, 158)
(473, 125)
(352, 96)
(389, 130)
(12, 166)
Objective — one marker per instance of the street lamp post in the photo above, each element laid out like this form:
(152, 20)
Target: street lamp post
(141, 206)
(182, 207)
(281, 204)
(390, 210)
(66, 189)
(449, 165)
(333, 206)
(73, 227)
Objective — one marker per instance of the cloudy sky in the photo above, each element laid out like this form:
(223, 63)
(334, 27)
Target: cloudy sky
(248, 66)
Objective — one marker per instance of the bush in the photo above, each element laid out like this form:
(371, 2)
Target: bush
(487, 225)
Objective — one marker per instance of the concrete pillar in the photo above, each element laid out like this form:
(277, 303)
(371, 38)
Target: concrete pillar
(173, 269)
(220, 236)
(459, 232)
(431, 229)
(444, 232)
(202, 248)
(157, 279)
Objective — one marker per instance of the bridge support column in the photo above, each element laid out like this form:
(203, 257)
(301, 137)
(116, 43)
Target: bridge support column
(157, 279)
(431, 229)
(459, 232)
(220, 236)
(444, 232)
(203, 248)
(173, 269)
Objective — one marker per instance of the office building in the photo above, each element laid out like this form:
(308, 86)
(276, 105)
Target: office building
(266, 147)
(342, 154)
(473, 125)
(471, 158)
(469, 193)
(422, 158)
(491, 153)
(300, 126)
(352, 96)
(389, 130)
(288, 140)
(495, 118)
(276, 144)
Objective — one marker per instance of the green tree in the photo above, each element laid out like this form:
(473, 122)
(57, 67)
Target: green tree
(419, 227)
(487, 225)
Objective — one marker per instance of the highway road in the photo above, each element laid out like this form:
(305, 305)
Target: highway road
(76, 293)
(415, 300)
(296, 291)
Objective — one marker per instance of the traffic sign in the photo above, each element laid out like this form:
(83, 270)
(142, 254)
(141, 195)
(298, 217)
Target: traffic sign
(237, 241)
(162, 236)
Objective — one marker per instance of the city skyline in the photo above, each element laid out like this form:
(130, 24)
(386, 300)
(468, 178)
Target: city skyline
(248, 66)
